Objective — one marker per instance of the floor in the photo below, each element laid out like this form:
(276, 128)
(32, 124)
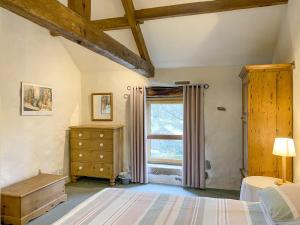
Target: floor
(86, 187)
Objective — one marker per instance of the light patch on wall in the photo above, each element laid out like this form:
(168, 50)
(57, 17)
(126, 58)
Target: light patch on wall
(287, 50)
(75, 117)
(36, 142)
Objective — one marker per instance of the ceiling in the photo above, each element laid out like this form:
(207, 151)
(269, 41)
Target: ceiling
(219, 39)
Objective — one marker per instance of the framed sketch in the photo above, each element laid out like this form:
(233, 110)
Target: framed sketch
(36, 100)
(102, 106)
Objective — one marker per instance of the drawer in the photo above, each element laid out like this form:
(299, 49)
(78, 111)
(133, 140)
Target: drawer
(81, 169)
(101, 145)
(80, 134)
(103, 170)
(92, 134)
(102, 135)
(82, 156)
(103, 156)
(92, 156)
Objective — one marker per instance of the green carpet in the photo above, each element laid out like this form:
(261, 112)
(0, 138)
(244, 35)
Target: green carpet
(86, 187)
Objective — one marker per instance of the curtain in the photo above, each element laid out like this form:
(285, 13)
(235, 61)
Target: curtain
(193, 137)
(138, 137)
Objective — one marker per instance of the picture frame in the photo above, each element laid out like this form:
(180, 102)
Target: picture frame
(102, 107)
(36, 100)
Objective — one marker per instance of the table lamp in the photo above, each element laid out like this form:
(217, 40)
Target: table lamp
(284, 147)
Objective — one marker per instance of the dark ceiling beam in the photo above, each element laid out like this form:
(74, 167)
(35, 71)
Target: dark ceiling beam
(184, 10)
(136, 29)
(57, 18)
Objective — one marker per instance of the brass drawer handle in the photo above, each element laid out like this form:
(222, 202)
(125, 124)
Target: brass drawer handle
(80, 135)
(101, 156)
(101, 135)
(101, 169)
(79, 143)
(80, 167)
(80, 155)
(101, 144)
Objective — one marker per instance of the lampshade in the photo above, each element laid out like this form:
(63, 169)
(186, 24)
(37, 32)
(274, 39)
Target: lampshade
(284, 147)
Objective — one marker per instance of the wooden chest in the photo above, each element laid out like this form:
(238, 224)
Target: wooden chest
(96, 151)
(28, 199)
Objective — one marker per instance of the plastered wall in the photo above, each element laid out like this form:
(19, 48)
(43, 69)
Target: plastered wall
(223, 129)
(288, 50)
(28, 53)
(115, 82)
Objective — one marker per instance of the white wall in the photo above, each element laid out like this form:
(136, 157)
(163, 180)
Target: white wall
(223, 129)
(287, 50)
(27, 144)
(115, 82)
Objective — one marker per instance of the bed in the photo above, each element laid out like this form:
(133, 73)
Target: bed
(124, 207)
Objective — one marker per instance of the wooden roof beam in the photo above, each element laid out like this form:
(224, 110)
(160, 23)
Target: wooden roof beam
(55, 17)
(136, 29)
(184, 10)
(82, 7)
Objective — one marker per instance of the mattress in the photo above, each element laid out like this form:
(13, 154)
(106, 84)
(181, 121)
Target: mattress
(123, 207)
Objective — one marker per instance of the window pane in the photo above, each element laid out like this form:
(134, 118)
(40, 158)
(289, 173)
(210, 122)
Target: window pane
(167, 118)
(166, 149)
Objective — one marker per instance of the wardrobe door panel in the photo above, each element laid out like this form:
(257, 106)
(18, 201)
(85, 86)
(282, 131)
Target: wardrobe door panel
(262, 124)
(285, 114)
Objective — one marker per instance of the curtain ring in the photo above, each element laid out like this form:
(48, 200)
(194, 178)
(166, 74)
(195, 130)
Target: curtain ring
(128, 88)
(206, 86)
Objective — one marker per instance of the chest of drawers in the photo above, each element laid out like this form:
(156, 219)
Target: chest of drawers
(96, 151)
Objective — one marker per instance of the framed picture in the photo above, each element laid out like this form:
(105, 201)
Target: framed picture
(36, 100)
(102, 107)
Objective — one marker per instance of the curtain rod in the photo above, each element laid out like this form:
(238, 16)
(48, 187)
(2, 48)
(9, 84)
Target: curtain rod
(205, 86)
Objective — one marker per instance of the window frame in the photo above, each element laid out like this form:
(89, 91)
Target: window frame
(150, 136)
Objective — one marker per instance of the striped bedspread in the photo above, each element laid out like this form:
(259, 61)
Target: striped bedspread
(123, 207)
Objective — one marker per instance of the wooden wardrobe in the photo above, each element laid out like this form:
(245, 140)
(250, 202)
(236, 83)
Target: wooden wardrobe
(267, 113)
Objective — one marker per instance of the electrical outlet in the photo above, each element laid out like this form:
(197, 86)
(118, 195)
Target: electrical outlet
(58, 171)
(61, 171)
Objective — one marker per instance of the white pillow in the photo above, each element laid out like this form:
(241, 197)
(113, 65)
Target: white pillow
(282, 203)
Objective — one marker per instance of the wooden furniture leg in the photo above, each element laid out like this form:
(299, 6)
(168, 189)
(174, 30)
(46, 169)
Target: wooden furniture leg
(74, 179)
(112, 182)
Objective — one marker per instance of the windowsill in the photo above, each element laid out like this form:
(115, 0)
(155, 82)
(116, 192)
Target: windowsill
(164, 166)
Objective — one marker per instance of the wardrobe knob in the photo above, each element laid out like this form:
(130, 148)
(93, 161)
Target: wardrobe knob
(80, 144)
(101, 144)
(80, 135)
(101, 135)
(80, 167)
(101, 156)
(80, 155)
(101, 169)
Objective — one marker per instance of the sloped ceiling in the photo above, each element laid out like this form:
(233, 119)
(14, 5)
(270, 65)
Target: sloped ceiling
(219, 39)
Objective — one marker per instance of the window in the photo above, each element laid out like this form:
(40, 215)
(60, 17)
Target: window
(165, 129)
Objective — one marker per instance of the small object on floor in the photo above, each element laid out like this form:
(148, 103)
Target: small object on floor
(125, 181)
(31, 198)
(124, 178)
